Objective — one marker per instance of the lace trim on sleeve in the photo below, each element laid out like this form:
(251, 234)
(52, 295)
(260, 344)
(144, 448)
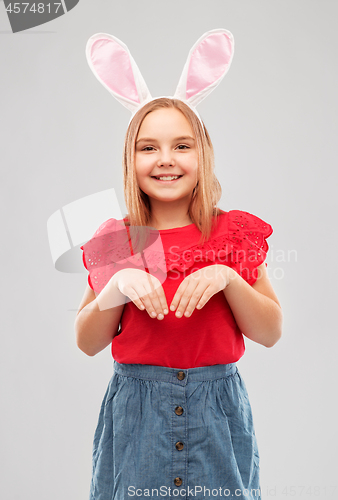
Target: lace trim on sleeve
(110, 250)
(248, 233)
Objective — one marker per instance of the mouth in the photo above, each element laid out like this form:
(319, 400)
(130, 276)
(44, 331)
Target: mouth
(166, 179)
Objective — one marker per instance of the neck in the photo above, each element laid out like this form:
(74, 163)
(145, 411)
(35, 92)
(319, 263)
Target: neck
(170, 223)
(167, 216)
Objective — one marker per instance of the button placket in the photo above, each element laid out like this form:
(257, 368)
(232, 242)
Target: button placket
(179, 431)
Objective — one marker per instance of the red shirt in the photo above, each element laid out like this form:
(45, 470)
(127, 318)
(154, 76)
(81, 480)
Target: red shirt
(210, 335)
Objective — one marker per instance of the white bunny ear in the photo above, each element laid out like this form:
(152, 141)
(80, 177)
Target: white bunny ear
(208, 62)
(113, 65)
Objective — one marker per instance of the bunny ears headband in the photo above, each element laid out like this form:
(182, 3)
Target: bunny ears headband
(208, 62)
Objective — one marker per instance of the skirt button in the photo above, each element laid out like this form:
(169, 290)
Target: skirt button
(180, 375)
(179, 445)
(178, 481)
(178, 410)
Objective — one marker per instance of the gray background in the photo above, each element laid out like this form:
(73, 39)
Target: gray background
(273, 124)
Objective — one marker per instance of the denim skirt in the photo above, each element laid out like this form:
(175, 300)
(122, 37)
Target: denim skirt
(175, 433)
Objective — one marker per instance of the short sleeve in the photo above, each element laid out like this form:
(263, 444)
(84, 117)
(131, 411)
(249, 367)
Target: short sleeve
(106, 253)
(110, 250)
(248, 234)
(94, 255)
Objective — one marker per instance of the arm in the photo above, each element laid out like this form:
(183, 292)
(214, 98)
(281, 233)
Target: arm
(256, 308)
(97, 322)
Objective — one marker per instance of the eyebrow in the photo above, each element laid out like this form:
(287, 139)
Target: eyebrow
(182, 138)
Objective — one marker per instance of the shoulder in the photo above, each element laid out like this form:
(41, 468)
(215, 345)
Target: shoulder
(106, 228)
(109, 238)
(107, 251)
(241, 221)
(248, 234)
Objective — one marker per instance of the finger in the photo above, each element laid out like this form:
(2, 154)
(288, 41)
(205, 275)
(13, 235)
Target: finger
(153, 302)
(158, 296)
(179, 292)
(195, 299)
(143, 290)
(148, 300)
(161, 303)
(134, 297)
(163, 300)
(205, 297)
(192, 293)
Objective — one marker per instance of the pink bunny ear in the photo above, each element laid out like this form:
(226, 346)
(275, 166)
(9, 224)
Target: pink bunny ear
(113, 65)
(208, 62)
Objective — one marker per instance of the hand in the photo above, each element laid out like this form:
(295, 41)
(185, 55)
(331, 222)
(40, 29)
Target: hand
(197, 288)
(143, 289)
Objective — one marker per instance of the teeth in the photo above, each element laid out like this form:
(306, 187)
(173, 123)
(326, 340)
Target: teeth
(167, 178)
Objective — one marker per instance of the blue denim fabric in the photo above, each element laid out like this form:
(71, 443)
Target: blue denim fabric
(135, 453)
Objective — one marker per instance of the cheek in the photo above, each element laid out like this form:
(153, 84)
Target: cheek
(193, 167)
(190, 162)
(142, 168)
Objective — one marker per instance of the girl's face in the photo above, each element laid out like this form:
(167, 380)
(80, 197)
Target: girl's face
(166, 146)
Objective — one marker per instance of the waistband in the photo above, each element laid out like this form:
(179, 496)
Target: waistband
(179, 376)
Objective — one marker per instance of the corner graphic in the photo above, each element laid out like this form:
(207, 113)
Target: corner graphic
(25, 15)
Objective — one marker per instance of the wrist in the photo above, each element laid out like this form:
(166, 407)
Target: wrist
(233, 277)
(110, 296)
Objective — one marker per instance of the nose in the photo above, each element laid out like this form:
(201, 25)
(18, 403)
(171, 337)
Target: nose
(166, 158)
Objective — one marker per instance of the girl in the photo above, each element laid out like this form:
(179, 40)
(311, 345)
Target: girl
(176, 419)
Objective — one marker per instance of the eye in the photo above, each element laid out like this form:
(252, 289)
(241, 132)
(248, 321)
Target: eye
(183, 146)
(148, 148)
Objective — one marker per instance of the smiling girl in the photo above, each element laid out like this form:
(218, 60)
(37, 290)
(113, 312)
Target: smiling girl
(176, 419)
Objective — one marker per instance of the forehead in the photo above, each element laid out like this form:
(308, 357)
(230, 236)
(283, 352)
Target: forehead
(165, 120)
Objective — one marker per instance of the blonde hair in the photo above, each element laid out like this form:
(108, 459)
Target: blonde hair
(203, 209)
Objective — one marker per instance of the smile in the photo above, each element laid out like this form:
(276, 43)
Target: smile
(167, 179)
